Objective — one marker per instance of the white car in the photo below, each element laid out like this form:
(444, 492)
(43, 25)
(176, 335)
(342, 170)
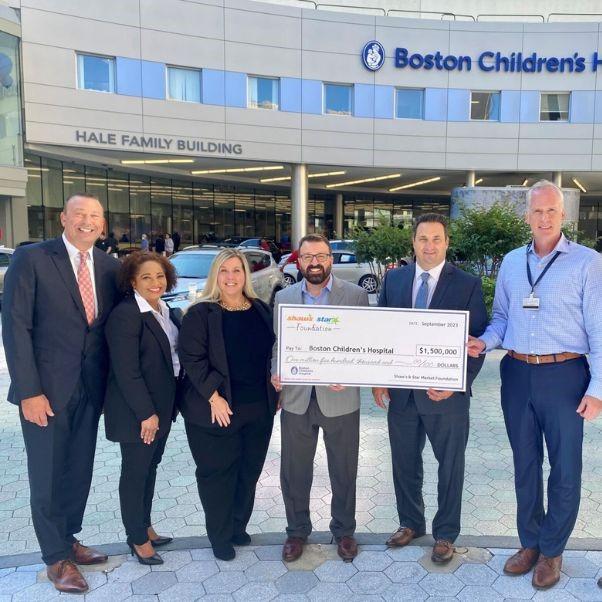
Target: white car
(345, 267)
(192, 267)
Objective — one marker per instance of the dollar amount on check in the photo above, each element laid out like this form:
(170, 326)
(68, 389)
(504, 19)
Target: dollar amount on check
(372, 346)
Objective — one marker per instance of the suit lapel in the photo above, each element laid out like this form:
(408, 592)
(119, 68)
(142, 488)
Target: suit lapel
(99, 272)
(265, 316)
(407, 285)
(442, 284)
(61, 260)
(216, 333)
(337, 294)
(153, 325)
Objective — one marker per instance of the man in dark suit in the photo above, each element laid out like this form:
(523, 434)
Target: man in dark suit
(57, 296)
(442, 416)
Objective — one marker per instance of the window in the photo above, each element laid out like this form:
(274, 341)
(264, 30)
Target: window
(184, 84)
(96, 72)
(554, 106)
(347, 258)
(264, 93)
(409, 103)
(337, 99)
(485, 106)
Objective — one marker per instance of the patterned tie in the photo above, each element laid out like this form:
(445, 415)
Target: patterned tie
(423, 292)
(85, 286)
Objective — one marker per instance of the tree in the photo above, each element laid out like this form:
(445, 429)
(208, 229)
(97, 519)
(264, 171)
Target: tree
(382, 245)
(481, 236)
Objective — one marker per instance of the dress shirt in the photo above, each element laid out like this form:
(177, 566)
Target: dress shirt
(569, 315)
(322, 298)
(74, 259)
(169, 328)
(434, 274)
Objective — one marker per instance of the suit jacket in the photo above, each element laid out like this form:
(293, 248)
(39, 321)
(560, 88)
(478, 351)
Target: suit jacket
(48, 343)
(295, 398)
(141, 378)
(202, 351)
(455, 290)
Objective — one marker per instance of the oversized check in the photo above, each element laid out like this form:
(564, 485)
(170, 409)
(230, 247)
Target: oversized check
(372, 346)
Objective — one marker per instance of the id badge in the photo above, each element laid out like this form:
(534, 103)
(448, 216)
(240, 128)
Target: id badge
(531, 302)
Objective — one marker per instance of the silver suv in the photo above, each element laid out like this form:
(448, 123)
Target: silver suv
(193, 265)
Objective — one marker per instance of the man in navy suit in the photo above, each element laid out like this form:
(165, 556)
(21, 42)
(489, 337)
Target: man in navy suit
(57, 296)
(442, 416)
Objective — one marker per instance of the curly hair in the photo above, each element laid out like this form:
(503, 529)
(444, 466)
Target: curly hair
(131, 267)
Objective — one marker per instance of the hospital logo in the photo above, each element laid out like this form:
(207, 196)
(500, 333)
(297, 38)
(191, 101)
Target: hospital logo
(294, 370)
(373, 55)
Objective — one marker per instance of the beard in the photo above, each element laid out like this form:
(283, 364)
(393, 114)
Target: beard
(316, 274)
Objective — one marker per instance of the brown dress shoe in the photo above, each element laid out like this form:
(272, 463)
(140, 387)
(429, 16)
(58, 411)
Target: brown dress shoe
(443, 551)
(292, 549)
(85, 555)
(402, 537)
(66, 577)
(547, 571)
(522, 562)
(347, 548)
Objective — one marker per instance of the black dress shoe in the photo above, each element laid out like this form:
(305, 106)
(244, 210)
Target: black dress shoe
(161, 541)
(148, 560)
(224, 552)
(241, 539)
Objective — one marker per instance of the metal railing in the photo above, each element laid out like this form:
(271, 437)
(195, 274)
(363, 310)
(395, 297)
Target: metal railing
(446, 15)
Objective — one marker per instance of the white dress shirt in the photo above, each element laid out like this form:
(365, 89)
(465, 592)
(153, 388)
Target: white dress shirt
(434, 274)
(168, 327)
(74, 258)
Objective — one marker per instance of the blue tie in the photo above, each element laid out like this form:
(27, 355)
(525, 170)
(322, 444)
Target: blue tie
(422, 296)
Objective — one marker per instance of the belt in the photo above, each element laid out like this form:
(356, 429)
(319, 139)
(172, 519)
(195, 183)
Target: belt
(552, 358)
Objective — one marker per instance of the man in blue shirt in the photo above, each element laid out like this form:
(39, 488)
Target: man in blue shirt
(546, 313)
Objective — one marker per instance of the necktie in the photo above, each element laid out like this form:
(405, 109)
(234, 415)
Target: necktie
(85, 286)
(423, 292)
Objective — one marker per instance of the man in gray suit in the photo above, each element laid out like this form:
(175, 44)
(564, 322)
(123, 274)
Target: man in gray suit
(334, 408)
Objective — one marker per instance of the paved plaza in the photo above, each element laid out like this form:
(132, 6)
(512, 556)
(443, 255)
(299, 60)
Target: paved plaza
(191, 572)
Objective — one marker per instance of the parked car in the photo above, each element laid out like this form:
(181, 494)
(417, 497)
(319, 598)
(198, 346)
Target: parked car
(255, 243)
(192, 267)
(345, 267)
(5, 254)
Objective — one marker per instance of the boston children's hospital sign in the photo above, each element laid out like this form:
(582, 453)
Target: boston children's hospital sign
(373, 57)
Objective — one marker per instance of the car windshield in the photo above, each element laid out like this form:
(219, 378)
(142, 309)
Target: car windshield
(193, 265)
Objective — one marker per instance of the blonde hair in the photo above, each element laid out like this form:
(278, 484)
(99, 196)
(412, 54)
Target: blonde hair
(211, 292)
(545, 184)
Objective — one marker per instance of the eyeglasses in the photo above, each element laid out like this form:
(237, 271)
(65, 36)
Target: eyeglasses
(321, 257)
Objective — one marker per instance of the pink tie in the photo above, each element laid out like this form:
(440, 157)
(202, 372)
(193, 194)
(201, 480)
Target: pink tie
(85, 286)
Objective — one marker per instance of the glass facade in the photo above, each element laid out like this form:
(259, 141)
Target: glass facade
(555, 107)
(200, 211)
(184, 84)
(96, 72)
(11, 144)
(264, 93)
(409, 103)
(485, 106)
(337, 99)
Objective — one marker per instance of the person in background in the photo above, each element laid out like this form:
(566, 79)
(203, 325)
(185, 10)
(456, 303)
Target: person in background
(228, 402)
(142, 335)
(144, 246)
(160, 244)
(176, 241)
(169, 246)
(112, 244)
(102, 243)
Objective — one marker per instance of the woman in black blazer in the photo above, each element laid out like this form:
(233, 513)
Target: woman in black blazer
(228, 401)
(141, 391)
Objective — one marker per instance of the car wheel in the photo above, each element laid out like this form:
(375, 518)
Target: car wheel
(289, 280)
(369, 283)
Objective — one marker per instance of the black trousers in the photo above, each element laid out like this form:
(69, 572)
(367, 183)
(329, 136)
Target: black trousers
(540, 402)
(229, 461)
(299, 440)
(60, 459)
(448, 434)
(139, 463)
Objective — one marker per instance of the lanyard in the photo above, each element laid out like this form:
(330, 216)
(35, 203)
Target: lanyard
(530, 277)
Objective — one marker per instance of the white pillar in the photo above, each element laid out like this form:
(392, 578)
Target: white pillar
(299, 203)
(339, 216)
(557, 178)
(470, 178)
